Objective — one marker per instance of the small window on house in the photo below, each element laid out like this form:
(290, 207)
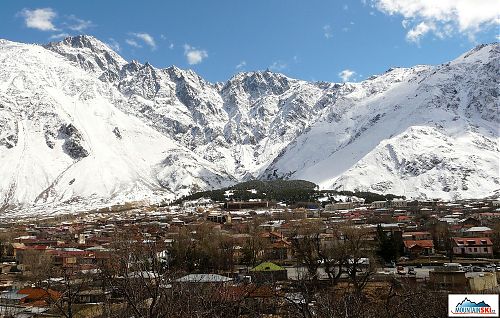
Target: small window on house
(485, 250)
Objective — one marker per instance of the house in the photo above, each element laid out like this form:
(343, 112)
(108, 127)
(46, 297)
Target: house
(339, 206)
(448, 278)
(478, 231)
(378, 204)
(96, 295)
(398, 203)
(71, 257)
(483, 282)
(5, 267)
(272, 236)
(39, 296)
(220, 218)
(470, 221)
(415, 248)
(261, 298)
(404, 219)
(417, 236)
(12, 298)
(490, 216)
(204, 279)
(473, 246)
(393, 228)
(449, 219)
(272, 226)
(278, 248)
(30, 296)
(24, 255)
(268, 272)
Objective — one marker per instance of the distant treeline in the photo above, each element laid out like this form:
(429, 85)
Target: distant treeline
(287, 191)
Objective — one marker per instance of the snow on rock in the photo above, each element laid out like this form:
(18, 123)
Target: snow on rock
(61, 140)
(424, 132)
(78, 123)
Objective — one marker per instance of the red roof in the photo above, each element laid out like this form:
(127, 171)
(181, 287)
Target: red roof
(419, 243)
(403, 218)
(33, 247)
(39, 294)
(416, 233)
(472, 241)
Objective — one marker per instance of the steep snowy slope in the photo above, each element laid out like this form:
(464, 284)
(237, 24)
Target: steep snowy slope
(240, 126)
(62, 138)
(79, 123)
(420, 132)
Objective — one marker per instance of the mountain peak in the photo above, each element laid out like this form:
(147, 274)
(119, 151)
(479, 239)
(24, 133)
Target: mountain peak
(260, 82)
(481, 52)
(81, 42)
(89, 52)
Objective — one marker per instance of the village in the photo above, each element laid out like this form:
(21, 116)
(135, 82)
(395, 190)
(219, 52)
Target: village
(247, 258)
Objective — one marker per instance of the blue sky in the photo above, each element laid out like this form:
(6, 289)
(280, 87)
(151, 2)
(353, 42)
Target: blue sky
(311, 40)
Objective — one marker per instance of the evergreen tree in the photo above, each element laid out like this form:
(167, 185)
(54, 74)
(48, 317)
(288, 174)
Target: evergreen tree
(388, 245)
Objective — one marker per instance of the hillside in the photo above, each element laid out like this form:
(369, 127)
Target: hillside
(291, 192)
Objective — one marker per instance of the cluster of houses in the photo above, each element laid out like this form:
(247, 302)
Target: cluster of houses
(82, 242)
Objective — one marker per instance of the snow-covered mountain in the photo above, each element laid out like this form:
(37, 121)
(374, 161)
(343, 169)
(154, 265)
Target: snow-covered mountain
(79, 124)
(425, 131)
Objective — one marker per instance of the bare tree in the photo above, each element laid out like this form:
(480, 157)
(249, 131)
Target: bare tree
(70, 283)
(37, 265)
(347, 252)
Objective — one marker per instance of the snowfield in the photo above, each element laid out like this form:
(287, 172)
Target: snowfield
(81, 127)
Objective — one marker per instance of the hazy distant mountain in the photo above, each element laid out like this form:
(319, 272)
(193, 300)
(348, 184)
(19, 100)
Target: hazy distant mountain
(79, 124)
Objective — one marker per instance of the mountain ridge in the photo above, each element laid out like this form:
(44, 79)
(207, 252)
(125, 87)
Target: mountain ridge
(255, 125)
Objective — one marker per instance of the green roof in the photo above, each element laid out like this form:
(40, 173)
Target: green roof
(267, 267)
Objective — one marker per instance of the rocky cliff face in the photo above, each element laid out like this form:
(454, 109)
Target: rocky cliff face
(421, 132)
(79, 123)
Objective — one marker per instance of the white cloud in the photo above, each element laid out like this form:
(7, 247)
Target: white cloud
(278, 66)
(345, 7)
(346, 75)
(133, 43)
(241, 65)
(421, 29)
(327, 31)
(193, 55)
(40, 19)
(78, 24)
(113, 44)
(58, 36)
(146, 38)
(443, 17)
(171, 46)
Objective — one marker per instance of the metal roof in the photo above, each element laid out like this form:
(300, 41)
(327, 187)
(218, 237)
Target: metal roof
(203, 278)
